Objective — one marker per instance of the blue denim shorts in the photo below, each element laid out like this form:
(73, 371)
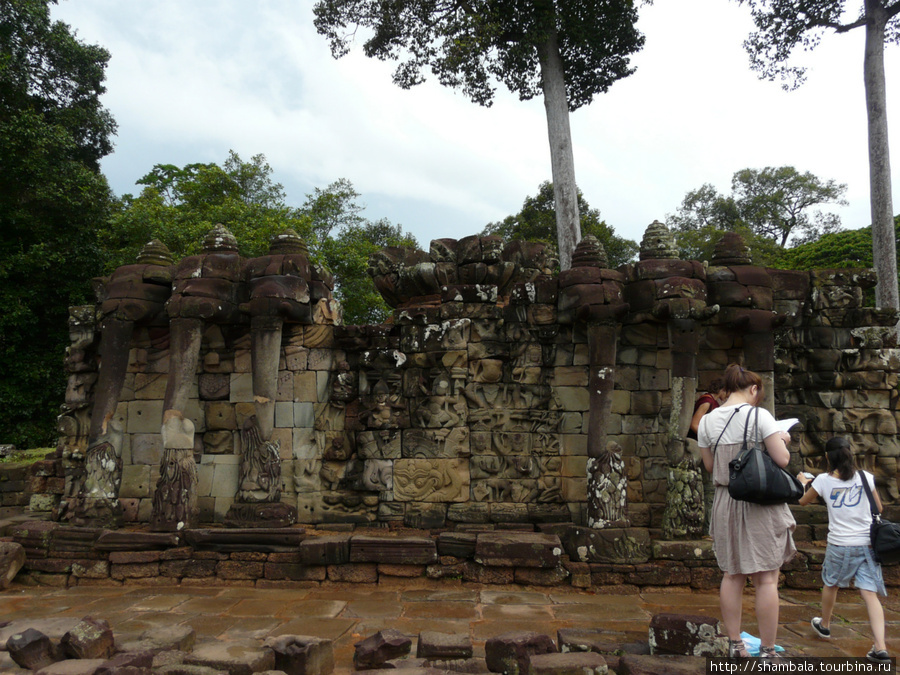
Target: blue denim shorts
(852, 563)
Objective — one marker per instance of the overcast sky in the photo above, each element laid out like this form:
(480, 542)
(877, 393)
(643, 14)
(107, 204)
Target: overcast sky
(188, 81)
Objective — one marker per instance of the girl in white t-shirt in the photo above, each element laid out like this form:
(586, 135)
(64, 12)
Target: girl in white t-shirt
(848, 555)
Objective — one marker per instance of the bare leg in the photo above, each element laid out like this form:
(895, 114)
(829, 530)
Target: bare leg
(731, 595)
(766, 584)
(829, 597)
(876, 617)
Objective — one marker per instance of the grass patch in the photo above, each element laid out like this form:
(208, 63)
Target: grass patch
(28, 456)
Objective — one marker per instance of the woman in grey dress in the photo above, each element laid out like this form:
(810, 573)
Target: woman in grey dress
(749, 540)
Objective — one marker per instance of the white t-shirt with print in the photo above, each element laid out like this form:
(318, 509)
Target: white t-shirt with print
(849, 513)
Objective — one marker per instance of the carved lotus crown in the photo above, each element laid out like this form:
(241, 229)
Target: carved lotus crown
(590, 253)
(155, 252)
(731, 250)
(220, 240)
(658, 243)
(288, 243)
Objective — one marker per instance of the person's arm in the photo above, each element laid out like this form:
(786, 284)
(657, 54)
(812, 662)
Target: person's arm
(809, 496)
(777, 447)
(698, 414)
(707, 457)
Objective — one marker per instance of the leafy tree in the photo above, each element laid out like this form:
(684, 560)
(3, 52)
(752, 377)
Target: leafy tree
(53, 133)
(784, 25)
(179, 206)
(834, 250)
(537, 222)
(566, 50)
(769, 207)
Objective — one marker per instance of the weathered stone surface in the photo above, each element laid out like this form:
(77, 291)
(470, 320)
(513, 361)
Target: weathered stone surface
(510, 653)
(302, 655)
(128, 663)
(327, 550)
(12, 558)
(518, 549)
(687, 635)
(32, 649)
(73, 667)
(249, 539)
(575, 663)
(375, 650)
(236, 658)
(434, 645)
(90, 639)
(393, 550)
(177, 637)
(609, 545)
(660, 665)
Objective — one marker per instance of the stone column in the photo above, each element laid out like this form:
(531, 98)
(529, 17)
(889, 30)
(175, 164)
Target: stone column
(605, 467)
(132, 295)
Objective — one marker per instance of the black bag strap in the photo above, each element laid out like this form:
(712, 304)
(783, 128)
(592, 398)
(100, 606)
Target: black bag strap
(876, 516)
(716, 445)
(747, 424)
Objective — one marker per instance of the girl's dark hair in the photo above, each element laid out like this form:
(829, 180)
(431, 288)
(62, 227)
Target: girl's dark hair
(840, 457)
(716, 385)
(737, 378)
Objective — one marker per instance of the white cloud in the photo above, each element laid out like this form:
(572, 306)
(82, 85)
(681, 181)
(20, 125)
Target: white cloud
(189, 81)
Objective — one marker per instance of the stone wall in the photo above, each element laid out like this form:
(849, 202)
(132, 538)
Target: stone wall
(473, 407)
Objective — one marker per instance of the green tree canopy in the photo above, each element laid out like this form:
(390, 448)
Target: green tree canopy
(53, 133)
(537, 222)
(179, 205)
(771, 208)
(568, 51)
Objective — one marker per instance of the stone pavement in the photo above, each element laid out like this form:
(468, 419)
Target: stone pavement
(348, 613)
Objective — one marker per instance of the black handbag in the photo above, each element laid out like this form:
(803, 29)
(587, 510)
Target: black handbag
(753, 476)
(885, 534)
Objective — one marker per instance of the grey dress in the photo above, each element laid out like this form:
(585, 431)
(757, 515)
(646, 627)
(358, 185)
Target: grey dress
(747, 538)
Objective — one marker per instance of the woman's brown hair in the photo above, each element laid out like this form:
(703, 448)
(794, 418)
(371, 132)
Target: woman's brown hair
(840, 457)
(737, 379)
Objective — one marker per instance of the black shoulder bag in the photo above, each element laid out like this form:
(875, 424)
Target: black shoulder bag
(885, 534)
(753, 476)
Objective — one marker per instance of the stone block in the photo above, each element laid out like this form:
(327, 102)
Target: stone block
(573, 663)
(284, 414)
(303, 414)
(518, 549)
(236, 658)
(393, 550)
(687, 635)
(302, 654)
(144, 417)
(89, 639)
(241, 387)
(305, 386)
(434, 645)
(376, 650)
(12, 559)
(135, 481)
(225, 479)
(359, 573)
(612, 545)
(149, 386)
(32, 650)
(146, 448)
(327, 550)
(220, 416)
(511, 653)
(285, 388)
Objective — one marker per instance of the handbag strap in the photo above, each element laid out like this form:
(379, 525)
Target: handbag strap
(716, 445)
(876, 516)
(747, 424)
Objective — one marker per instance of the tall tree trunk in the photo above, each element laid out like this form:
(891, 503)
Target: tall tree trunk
(562, 162)
(883, 235)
